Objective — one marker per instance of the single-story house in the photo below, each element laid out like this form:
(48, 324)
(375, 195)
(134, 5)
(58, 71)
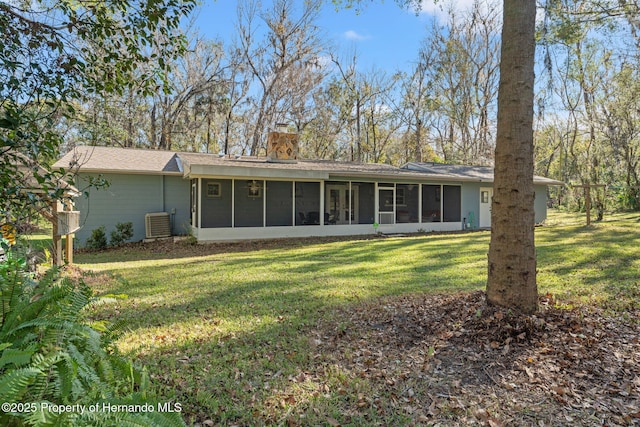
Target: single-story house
(217, 198)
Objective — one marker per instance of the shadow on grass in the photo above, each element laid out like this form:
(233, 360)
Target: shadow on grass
(168, 249)
(258, 287)
(227, 333)
(601, 261)
(263, 285)
(241, 377)
(572, 261)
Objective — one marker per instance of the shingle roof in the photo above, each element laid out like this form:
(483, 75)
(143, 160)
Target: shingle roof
(124, 160)
(27, 181)
(127, 160)
(261, 162)
(466, 173)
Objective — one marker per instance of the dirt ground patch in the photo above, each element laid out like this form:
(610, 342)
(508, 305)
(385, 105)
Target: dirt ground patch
(452, 360)
(186, 247)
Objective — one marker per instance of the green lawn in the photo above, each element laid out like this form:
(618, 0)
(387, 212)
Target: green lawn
(224, 329)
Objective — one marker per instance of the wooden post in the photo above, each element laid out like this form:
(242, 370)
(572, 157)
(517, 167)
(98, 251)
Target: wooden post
(68, 247)
(587, 197)
(56, 255)
(587, 202)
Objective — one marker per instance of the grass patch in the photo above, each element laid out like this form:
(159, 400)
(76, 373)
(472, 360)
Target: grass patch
(225, 330)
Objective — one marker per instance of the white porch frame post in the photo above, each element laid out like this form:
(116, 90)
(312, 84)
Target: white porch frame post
(441, 203)
(264, 203)
(293, 205)
(233, 203)
(376, 202)
(350, 202)
(199, 201)
(419, 203)
(395, 201)
(322, 207)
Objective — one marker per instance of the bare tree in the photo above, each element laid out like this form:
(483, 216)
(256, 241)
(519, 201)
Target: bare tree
(321, 136)
(291, 40)
(361, 92)
(417, 104)
(193, 76)
(237, 83)
(464, 61)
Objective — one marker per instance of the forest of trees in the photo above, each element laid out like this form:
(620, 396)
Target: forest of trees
(223, 98)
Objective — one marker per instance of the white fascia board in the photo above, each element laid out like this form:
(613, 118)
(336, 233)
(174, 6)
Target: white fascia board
(401, 178)
(256, 172)
(126, 172)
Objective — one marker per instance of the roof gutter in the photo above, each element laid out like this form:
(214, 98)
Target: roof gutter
(129, 172)
(254, 172)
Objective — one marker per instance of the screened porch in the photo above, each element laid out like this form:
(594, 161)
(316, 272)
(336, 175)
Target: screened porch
(253, 203)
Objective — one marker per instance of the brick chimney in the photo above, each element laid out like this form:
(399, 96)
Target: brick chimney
(282, 146)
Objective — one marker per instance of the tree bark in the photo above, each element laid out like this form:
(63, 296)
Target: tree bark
(512, 257)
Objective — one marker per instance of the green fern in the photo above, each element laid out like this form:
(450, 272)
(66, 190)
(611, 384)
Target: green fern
(17, 357)
(49, 355)
(15, 384)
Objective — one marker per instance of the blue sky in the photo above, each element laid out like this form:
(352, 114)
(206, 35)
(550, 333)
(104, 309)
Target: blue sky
(384, 35)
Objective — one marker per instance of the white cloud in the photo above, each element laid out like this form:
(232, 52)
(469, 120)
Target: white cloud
(439, 8)
(355, 36)
(324, 60)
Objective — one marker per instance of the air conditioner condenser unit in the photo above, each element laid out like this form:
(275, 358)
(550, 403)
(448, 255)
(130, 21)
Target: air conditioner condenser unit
(157, 224)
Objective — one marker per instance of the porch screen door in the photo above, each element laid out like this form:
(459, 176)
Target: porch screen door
(386, 205)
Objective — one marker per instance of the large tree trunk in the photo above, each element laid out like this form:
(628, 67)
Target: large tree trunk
(512, 257)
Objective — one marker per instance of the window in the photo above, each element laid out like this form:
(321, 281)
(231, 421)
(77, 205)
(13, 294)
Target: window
(214, 190)
(484, 197)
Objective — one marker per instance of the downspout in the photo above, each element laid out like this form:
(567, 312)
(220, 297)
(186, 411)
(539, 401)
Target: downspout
(172, 214)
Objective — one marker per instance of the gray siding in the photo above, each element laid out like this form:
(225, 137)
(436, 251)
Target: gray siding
(177, 202)
(471, 201)
(541, 203)
(127, 199)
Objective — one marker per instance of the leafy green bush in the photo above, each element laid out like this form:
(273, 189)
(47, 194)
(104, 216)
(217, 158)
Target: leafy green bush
(98, 239)
(49, 356)
(122, 233)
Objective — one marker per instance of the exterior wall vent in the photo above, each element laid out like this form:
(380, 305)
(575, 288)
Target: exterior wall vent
(68, 222)
(157, 224)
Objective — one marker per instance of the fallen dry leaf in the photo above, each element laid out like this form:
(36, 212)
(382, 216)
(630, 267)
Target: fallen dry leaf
(559, 367)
